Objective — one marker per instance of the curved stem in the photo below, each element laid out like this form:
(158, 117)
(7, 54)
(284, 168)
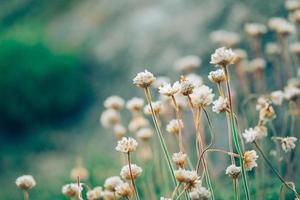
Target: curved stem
(132, 180)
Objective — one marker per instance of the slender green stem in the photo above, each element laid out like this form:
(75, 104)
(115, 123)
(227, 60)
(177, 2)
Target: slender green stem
(236, 189)
(161, 139)
(235, 135)
(275, 171)
(175, 190)
(180, 194)
(26, 195)
(131, 177)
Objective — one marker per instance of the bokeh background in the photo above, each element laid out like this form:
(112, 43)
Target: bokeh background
(59, 59)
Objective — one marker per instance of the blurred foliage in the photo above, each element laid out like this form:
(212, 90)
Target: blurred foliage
(38, 85)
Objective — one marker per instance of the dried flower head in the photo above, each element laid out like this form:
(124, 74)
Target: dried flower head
(225, 38)
(179, 159)
(124, 190)
(25, 182)
(282, 26)
(94, 194)
(240, 55)
(145, 134)
(169, 90)
(187, 63)
(250, 158)
(110, 117)
(200, 193)
(174, 126)
(295, 48)
(72, 190)
(114, 102)
(255, 29)
(220, 105)
(135, 170)
(277, 97)
(267, 113)
(144, 79)
(222, 56)
(250, 135)
(217, 76)
(109, 195)
(202, 96)
(127, 145)
(262, 102)
(111, 183)
(233, 171)
(156, 105)
(135, 104)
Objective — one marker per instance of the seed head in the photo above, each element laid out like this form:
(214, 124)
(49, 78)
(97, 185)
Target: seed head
(179, 159)
(233, 171)
(217, 76)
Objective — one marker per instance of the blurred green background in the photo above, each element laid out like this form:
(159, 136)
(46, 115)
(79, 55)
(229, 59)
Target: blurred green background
(59, 59)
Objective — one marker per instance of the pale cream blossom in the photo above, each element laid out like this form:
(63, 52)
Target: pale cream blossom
(287, 143)
(145, 134)
(160, 80)
(111, 183)
(137, 122)
(169, 90)
(157, 108)
(233, 171)
(174, 126)
(195, 79)
(291, 92)
(250, 158)
(127, 145)
(135, 170)
(135, 104)
(144, 79)
(109, 195)
(109, 118)
(255, 29)
(295, 48)
(225, 38)
(114, 102)
(124, 190)
(217, 76)
(202, 96)
(187, 63)
(258, 63)
(281, 26)
(25, 182)
(250, 135)
(72, 190)
(267, 113)
(222, 56)
(292, 5)
(200, 193)
(179, 159)
(277, 97)
(189, 177)
(186, 86)
(220, 105)
(94, 194)
(119, 130)
(273, 49)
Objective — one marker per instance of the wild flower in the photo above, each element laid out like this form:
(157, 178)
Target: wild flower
(220, 105)
(135, 104)
(233, 171)
(110, 117)
(255, 29)
(25, 182)
(267, 113)
(190, 178)
(137, 122)
(174, 126)
(225, 38)
(258, 63)
(250, 158)
(144, 79)
(79, 171)
(119, 130)
(292, 5)
(114, 102)
(169, 90)
(195, 79)
(250, 135)
(127, 145)
(111, 183)
(160, 80)
(295, 48)
(200, 193)
(145, 134)
(217, 76)
(202, 96)
(273, 49)
(187, 63)
(109, 195)
(94, 194)
(186, 86)
(164, 198)
(135, 170)
(222, 56)
(124, 190)
(72, 190)
(291, 92)
(277, 97)
(287, 143)
(179, 159)
(157, 107)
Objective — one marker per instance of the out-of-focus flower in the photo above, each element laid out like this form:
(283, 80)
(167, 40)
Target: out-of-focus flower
(222, 56)
(135, 170)
(179, 159)
(114, 102)
(135, 104)
(277, 97)
(292, 5)
(124, 190)
(255, 133)
(200, 193)
(137, 123)
(291, 92)
(188, 177)
(281, 26)
(187, 63)
(186, 86)
(267, 113)
(94, 194)
(110, 117)
(160, 80)
(109, 195)
(202, 96)
(250, 158)
(295, 48)
(169, 90)
(127, 145)
(287, 143)
(72, 190)
(273, 49)
(25, 182)
(145, 134)
(220, 105)
(240, 55)
(174, 126)
(233, 171)
(195, 79)
(111, 183)
(262, 102)
(295, 16)
(217, 76)
(255, 29)
(156, 105)
(119, 130)
(225, 38)
(258, 63)
(79, 171)
(144, 79)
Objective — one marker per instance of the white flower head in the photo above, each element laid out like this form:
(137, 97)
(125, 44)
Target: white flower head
(127, 145)
(186, 86)
(137, 122)
(189, 177)
(217, 76)
(135, 104)
(267, 113)
(145, 134)
(187, 63)
(282, 26)
(109, 118)
(169, 90)
(174, 126)
(202, 96)
(233, 171)
(250, 135)
(200, 193)
(157, 108)
(195, 79)
(135, 170)
(144, 79)
(124, 190)
(25, 182)
(288, 143)
(179, 159)
(220, 105)
(291, 92)
(94, 194)
(292, 5)
(255, 29)
(250, 158)
(225, 38)
(114, 102)
(119, 130)
(273, 48)
(258, 64)
(160, 80)
(222, 56)
(72, 190)
(277, 97)
(111, 183)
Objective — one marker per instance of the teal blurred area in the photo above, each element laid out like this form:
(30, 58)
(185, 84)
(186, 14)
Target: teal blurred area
(59, 59)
